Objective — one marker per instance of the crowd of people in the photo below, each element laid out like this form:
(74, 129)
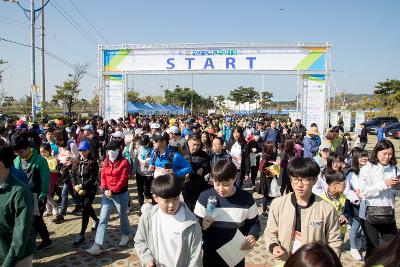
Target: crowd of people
(195, 177)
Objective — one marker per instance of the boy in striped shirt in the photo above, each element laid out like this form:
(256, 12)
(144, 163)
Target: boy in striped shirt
(235, 209)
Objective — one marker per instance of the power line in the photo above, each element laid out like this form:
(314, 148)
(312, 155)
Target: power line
(13, 23)
(74, 23)
(88, 22)
(13, 20)
(61, 60)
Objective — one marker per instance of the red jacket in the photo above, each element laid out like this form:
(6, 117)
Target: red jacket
(114, 176)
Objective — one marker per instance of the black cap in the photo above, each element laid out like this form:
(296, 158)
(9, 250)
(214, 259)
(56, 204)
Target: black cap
(144, 140)
(161, 137)
(112, 145)
(196, 126)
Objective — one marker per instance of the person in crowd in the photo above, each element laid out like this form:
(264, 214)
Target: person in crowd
(267, 160)
(218, 228)
(238, 150)
(381, 132)
(316, 255)
(168, 233)
(37, 170)
(218, 151)
(85, 179)
(379, 183)
(334, 195)
(206, 142)
(301, 217)
(287, 154)
(52, 141)
(188, 129)
(195, 182)
(310, 143)
(334, 162)
(363, 136)
(298, 130)
(323, 155)
(272, 134)
(254, 152)
(89, 134)
(227, 129)
(67, 164)
(143, 173)
(17, 234)
(386, 255)
(338, 143)
(353, 194)
(114, 184)
(176, 142)
(284, 131)
(51, 205)
(165, 160)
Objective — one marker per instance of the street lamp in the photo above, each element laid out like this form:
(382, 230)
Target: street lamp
(32, 17)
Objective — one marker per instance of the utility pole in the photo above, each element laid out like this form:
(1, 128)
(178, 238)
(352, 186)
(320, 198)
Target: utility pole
(42, 61)
(33, 69)
(30, 14)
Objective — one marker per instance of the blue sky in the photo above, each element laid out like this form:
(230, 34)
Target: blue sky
(365, 37)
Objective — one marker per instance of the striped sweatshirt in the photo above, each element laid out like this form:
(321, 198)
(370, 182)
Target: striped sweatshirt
(231, 213)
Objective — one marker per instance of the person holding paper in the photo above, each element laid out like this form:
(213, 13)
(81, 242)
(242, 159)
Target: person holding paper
(228, 216)
(301, 217)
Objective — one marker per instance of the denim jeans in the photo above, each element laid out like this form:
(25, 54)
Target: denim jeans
(120, 201)
(355, 227)
(67, 187)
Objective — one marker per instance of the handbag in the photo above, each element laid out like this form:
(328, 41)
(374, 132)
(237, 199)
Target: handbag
(383, 215)
(274, 188)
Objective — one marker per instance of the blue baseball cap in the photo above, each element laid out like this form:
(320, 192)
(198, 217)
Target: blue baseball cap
(84, 145)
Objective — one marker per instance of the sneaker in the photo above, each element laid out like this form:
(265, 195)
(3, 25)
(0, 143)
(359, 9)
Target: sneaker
(95, 224)
(124, 240)
(77, 211)
(356, 254)
(94, 250)
(44, 246)
(59, 219)
(78, 240)
(46, 213)
(55, 212)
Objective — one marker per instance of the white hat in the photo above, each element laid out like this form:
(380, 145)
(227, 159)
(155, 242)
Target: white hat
(174, 129)
(139, 131)
(155, 125)
(118, 134)
(325, 145)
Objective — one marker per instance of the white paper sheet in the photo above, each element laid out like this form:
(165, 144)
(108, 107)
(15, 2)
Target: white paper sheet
(231, 252)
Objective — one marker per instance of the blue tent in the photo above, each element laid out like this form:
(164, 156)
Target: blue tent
(132, 108)
(146, 110)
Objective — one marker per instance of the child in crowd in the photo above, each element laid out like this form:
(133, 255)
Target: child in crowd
(168, 233)
(51, 205)
(235, 209)
(336, 181)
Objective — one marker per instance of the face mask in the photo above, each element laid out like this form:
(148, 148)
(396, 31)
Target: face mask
(113, 154)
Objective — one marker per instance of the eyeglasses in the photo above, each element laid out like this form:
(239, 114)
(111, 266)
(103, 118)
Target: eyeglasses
(304, 181)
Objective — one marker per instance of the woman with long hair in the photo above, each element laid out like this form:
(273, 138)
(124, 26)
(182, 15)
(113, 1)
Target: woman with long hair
(359, 159)
(206, 142)
(237, 148)
(379, 183)
(268, 158)
(288, 153)
(114, 184)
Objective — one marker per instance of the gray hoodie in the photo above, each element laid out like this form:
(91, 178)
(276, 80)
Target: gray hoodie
(189, 245)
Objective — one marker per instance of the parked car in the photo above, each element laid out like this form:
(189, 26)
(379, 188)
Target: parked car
(394, 133)
(373, 124)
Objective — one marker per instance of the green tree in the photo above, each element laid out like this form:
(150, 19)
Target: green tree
(133, 96)
(8, 101)
(265, 99)
(388, 92)
(68, 92)
(184, 97)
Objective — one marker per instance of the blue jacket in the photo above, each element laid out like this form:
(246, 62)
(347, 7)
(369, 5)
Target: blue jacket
(381, 134)
(310, 147)
(272, 135)
(226, 133)
(180, 166)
